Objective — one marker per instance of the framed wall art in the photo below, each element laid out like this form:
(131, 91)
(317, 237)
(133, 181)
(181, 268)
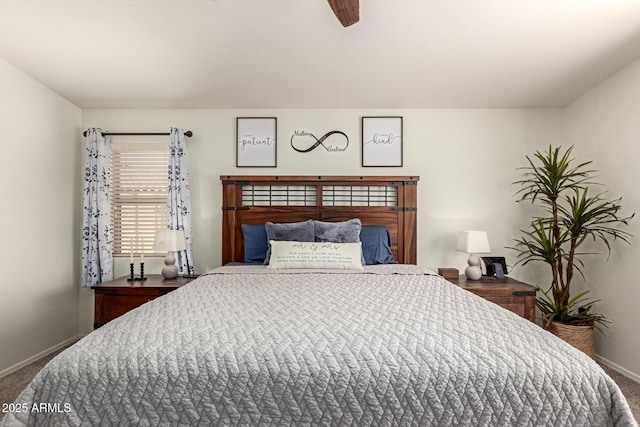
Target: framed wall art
(382, 141)
(256, 144)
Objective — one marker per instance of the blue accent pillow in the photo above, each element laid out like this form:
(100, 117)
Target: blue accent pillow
(291, 231)
(376, 245)
(255, 243)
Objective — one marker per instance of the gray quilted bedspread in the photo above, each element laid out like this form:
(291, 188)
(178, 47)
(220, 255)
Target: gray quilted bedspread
(302, 349)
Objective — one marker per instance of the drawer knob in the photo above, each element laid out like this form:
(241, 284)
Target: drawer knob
(524, 294)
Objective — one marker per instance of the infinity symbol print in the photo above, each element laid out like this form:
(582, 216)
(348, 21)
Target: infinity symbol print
(301, 134)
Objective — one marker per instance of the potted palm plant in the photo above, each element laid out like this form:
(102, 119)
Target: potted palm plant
(571, 215)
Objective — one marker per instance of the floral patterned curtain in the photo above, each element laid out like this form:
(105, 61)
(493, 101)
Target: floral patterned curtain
(97, 235)
(179, 198)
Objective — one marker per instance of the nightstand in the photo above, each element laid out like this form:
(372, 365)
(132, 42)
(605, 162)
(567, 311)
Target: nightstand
(118, 296)
(511, 294)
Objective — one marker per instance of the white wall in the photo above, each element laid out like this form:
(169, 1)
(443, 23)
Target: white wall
(466, 160)
(604, 125)
(39, 216)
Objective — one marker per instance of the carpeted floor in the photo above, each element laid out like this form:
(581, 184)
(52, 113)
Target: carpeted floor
(12, 385)
(630, 389)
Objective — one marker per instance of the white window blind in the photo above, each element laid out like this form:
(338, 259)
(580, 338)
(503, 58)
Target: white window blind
(139, 195)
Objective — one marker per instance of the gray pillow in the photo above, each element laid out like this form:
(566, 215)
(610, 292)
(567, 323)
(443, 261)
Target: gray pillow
(292, 231)
(339, 232)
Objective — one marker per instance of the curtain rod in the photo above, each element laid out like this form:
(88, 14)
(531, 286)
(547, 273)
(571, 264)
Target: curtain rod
(187, 133)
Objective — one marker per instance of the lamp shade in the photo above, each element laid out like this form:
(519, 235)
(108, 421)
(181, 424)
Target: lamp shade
(473, 242)
(169, 241)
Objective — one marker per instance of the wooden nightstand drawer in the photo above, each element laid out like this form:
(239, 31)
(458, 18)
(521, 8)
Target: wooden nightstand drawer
(515, 296)
(110, 307)
(510, 303)
(115, 298)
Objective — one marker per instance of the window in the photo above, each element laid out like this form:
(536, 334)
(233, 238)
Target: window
(139, 196)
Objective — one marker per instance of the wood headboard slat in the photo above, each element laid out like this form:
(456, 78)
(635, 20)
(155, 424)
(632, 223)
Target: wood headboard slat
(398, 213)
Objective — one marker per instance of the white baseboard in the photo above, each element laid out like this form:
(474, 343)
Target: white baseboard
(618, 368)
(17, 366)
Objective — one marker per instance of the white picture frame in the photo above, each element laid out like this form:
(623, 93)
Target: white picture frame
(256, 142)
(382, 141)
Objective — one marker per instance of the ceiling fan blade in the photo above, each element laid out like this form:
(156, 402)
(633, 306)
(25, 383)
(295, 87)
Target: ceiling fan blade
(347, 11)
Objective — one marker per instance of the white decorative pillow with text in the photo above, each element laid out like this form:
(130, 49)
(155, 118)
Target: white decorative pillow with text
(318, 255)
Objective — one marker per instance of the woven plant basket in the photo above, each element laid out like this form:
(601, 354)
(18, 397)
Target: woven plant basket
(579, 336)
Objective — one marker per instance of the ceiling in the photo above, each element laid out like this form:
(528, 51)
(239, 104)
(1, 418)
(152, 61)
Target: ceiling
(295, 53)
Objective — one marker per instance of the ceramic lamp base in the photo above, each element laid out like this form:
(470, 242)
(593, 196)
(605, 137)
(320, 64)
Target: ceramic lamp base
(170, 270)
(473, 272)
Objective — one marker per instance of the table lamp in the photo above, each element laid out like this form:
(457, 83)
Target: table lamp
(473, 242)
(170, 241)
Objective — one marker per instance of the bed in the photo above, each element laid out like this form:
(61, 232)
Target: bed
(387, 344)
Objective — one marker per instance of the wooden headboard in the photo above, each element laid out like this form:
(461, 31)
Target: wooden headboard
(376, 200)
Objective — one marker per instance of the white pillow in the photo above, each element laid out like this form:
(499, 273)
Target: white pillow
(320, 255)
